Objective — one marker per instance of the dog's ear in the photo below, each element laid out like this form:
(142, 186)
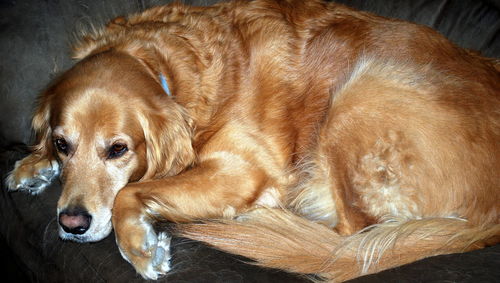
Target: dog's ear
(41, 127)
(168, 131)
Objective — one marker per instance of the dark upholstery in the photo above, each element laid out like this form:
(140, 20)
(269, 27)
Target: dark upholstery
(34, 47)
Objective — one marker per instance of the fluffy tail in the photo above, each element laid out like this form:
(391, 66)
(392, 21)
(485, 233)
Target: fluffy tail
(279, 239)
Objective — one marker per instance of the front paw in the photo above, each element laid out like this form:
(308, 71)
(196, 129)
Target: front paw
(32, 176)
(148, 252)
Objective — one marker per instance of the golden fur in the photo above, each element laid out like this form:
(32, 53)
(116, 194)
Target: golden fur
(380, 134)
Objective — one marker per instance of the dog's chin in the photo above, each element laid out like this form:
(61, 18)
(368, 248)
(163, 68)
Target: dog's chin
(92, 235)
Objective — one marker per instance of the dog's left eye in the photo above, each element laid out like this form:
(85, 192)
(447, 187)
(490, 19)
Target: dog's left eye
(61, 145)
(117, 150)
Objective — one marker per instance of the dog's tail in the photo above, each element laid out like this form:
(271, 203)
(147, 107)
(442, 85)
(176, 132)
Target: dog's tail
(278, 239)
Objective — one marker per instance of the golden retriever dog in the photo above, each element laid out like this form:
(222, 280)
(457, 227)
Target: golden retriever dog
(305, 135)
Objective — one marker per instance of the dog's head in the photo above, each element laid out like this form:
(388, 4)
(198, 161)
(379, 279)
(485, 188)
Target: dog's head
(108, 122)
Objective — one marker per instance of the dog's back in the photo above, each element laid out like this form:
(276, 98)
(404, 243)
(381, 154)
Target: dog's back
(409, 129)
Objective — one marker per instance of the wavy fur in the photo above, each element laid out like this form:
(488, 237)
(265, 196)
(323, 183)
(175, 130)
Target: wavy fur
(279, 239)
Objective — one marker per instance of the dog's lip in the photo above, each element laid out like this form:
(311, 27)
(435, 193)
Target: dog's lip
(80, 238)
(75, 238)
(83, 238)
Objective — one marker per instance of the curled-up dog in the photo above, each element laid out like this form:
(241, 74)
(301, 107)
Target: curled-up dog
(323, 140)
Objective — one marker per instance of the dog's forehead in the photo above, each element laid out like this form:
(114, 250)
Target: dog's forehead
(93, 112)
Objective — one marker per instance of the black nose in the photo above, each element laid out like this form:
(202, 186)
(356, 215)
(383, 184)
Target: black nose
(75, 220)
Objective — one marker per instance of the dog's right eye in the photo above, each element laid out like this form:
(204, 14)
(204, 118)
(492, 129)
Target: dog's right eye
(61, 145)
(117, 150)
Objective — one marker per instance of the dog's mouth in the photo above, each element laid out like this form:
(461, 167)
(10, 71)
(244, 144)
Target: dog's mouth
(89, 236)
(74, 238)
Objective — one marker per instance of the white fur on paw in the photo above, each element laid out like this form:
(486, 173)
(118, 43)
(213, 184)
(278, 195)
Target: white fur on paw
(161, 255)
(33, 183)
(158, 247)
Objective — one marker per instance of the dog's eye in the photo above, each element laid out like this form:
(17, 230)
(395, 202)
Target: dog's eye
(117, 150)
(61, 145)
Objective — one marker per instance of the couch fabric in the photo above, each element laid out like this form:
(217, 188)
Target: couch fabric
(34, 46)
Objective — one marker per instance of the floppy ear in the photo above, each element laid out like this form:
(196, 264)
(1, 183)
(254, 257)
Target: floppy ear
(168, 133)
(41, 126)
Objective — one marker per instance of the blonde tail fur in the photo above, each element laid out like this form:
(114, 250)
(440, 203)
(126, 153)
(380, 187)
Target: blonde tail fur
(279, 239)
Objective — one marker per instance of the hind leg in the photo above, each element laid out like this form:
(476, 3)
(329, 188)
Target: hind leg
(324, 195)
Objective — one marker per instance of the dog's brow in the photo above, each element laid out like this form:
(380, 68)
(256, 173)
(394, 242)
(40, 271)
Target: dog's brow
(70, 136)
(58, 131)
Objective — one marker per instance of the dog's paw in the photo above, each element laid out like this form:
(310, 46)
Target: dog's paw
(148, 252)
(32, 177)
